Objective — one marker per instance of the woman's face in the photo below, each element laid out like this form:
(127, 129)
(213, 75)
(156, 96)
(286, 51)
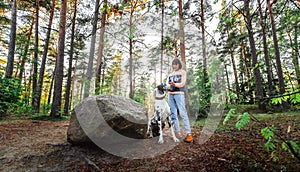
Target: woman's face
(175, 67)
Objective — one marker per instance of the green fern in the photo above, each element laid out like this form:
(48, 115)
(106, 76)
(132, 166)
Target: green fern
(267, 132)
(242, 120)
(228, 116)
(277, 101)
(295, 98)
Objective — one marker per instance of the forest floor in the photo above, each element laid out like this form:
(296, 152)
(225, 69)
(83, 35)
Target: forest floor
(32, 145)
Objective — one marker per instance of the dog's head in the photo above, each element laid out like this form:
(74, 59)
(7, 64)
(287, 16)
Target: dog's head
(161, 89)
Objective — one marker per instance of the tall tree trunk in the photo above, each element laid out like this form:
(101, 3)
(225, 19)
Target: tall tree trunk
(103, 72)
(162, 39)
(58, 81)
(155, 80)
(246, 66)
(236, 79)
(131, 37)
(227, 80)
(277, 54)
(24, 55)
(69, 79)
(202, 24)
(12, 41)
(295, 53)
(25, 94)
(82, 87)
(257, 77)
(182, 52)
(100, 50)
(28, 86)
(266, 53)
(181, 35)
(51, 87)
(44, 58)
(203, 38)
(35, 106)
(74, 78)
(89, 72)
(131, 94)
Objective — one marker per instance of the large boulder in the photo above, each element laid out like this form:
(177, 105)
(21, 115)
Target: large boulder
(98, 117)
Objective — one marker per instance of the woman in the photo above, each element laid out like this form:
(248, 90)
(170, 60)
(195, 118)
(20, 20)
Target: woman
(177, 80)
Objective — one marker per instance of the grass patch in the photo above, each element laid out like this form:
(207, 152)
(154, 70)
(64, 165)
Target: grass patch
(264, 116)
(43, 117)
(35, 117)
(279, 120)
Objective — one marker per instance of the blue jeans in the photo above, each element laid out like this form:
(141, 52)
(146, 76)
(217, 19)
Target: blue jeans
(177, 100)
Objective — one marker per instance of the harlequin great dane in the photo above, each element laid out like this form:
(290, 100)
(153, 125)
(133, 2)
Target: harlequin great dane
(161, 115)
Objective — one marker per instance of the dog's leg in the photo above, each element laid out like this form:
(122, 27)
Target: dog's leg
(149, 129)
(161, 139)
(172, 130)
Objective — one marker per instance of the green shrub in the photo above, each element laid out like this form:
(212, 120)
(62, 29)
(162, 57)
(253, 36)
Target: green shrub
(10, 93)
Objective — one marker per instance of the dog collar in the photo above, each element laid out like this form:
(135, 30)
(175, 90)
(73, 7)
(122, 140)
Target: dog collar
(159, 98)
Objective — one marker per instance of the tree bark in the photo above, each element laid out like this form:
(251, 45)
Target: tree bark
(44, 58)
(227, 81)
(89, 72)
(246, 62)
(131, 37)
(100, 50)
(277, 54)
(236, 79)
(295, 53)
(182, 52)
(257, 77)
(58, 81)
(35, 106)
(203, 37)
(51, 87)
(74, 80)
(162, 40)
(69, 79)
(24, 55)
(266, 52)
(181, 35)
(12, 41)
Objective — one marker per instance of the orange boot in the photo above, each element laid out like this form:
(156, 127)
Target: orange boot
(188, 138)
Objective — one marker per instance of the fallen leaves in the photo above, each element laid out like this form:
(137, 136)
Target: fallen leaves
(42, 146)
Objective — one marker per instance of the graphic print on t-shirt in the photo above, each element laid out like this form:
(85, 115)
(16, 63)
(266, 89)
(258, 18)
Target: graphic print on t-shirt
(176, 79)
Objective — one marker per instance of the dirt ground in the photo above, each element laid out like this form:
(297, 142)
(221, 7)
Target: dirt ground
(30, 145)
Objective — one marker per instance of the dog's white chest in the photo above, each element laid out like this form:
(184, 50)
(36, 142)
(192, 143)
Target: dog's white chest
(163, 108)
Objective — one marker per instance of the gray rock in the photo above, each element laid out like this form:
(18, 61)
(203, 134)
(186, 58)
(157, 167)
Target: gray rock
(98, 117)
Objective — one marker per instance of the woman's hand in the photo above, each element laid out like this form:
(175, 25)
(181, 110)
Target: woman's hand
(172, 83)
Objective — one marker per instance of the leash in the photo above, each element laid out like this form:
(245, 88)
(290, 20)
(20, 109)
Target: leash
(159, 98)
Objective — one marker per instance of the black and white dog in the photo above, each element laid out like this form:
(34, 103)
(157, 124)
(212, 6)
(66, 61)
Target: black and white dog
(160, 116)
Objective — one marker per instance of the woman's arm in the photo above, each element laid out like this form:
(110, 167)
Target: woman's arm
(183, 80)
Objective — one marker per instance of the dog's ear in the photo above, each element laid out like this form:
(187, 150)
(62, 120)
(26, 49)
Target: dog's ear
(160, 88)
